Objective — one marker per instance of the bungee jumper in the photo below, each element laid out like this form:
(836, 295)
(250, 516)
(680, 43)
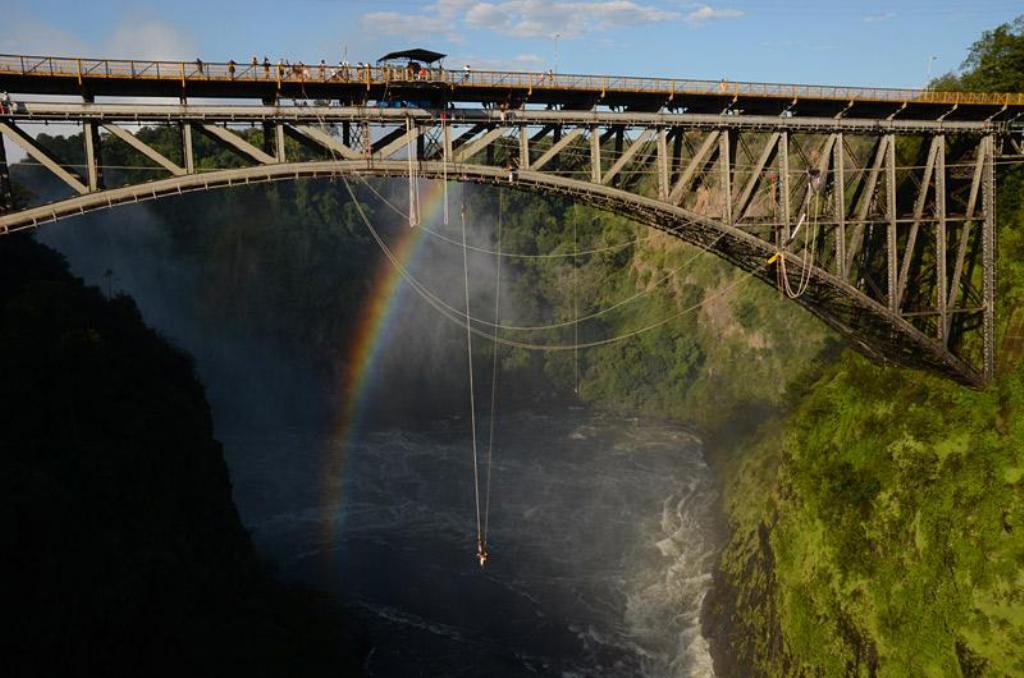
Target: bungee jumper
(481, 553)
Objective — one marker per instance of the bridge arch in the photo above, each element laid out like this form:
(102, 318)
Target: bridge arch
(866, 323)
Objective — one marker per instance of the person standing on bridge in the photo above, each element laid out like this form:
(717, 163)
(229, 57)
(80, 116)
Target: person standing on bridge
(231, 68)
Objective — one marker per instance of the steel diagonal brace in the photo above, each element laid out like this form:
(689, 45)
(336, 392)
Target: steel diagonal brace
(401, 141)
(473, 147)
(627, 155)
(556, 148)
(743, 202)
(922, 196)
(326, 140)
(238, 143)
(865, 200)
(698, 160)
(965, 232)
(42, 156)
(145, 149)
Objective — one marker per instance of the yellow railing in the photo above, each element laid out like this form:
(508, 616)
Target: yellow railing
(193, 71)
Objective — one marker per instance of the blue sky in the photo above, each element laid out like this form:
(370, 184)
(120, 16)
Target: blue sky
(855, 43)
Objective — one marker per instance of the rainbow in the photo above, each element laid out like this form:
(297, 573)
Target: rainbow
(374, 321)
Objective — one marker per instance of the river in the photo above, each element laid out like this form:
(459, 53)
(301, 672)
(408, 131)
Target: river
(601, 539)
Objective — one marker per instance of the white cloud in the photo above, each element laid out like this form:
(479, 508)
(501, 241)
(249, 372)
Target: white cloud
(148, 40)
(706, 13)
(878, 18)
(520, 62)
(540, 18)
(131, 38)
(519, 18)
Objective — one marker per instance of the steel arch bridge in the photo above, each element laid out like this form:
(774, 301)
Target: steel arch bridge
(879, 205)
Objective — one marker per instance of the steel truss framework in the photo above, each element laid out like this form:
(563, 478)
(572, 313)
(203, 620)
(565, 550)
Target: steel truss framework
(889, 224)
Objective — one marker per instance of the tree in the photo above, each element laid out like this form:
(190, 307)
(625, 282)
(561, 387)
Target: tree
(996, 61)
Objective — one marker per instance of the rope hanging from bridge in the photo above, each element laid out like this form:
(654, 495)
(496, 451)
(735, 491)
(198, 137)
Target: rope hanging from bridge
(445, 143)
(494, 376)
(575, 311)
(810, 244)
(458, 318)
(481, 548)
(510, 255)
(702, 250)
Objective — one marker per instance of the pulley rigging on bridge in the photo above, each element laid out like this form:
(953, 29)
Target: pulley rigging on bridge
(811, 206)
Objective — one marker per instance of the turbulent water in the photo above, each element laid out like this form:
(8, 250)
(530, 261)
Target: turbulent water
(601, 544)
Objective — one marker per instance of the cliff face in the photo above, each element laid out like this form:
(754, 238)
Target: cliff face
(880, 530)
(124, 549)
(877, 526)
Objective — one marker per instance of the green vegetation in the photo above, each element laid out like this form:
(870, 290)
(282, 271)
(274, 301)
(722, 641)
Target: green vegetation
(879, 527)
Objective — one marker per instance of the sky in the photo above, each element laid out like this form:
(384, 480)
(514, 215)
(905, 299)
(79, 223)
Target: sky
(897, 43)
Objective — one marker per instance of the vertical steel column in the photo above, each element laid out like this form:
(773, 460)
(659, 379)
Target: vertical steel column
(662, 162)
(365, 140)
(279, 147)
(988, 260)
(524, 148)
(187, 156)
(839, 195)
(677, 153)
(941, 282)
(595, 154)
(890, 212)
(93, 158)
(726, 181)
(6, 190)
(784, 185)
(268, 138)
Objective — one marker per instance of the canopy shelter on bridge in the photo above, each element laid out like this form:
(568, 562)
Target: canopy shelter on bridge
(419, 54)
(419, 69)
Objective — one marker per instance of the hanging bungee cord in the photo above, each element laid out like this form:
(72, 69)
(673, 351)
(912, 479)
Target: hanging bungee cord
(703, 250)
(509, 255)
(494, 380)
(481, 547)
(810, 242)
(458, 318)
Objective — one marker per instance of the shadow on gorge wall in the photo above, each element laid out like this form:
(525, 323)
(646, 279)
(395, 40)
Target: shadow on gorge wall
(125, 552)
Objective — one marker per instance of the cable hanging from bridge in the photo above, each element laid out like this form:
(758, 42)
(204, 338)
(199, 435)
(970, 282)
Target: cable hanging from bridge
(481, 550)
(511, 255)
(459, 319)
(702, 250)
(575, 310)
(492, 413)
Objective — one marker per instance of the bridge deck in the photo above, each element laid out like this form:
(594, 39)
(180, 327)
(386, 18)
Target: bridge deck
(357, 85)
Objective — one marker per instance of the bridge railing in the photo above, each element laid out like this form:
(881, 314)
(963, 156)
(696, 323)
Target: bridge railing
(198, 71)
